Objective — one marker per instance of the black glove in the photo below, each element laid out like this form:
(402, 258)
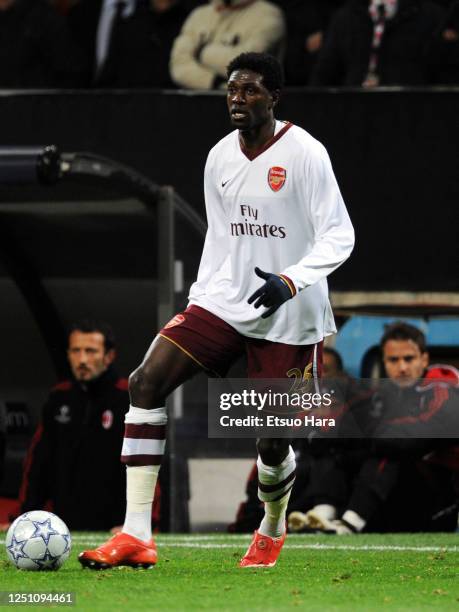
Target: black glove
(272, 294)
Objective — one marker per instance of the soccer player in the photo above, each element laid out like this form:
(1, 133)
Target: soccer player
(277, 226)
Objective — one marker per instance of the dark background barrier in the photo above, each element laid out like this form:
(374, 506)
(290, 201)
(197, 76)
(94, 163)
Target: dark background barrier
(394, 154)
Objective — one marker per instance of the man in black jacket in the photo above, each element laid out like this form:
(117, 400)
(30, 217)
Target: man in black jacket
(127, 44)
(73, 460)
(401, 477)
(307, 22)
(382, 42)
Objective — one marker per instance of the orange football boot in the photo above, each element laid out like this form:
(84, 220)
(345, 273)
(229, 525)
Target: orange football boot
(263, 551)
(121, 549)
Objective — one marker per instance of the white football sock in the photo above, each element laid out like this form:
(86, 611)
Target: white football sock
(278, 479)
(142, 445)
(273, 523)
(140, 489)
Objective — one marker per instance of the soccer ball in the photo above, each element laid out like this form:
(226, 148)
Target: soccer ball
(38, 540)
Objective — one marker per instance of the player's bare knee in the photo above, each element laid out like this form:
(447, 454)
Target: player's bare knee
(143, 388)
(272, 451)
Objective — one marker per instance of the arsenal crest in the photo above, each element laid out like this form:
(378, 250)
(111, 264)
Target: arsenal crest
(175, 321)
(277, 177)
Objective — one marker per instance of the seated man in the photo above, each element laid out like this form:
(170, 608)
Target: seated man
(411, 418)
(127, 45)
(72, 461)
(217, 32)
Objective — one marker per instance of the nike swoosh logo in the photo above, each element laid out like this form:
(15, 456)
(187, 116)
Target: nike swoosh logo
(225, 182)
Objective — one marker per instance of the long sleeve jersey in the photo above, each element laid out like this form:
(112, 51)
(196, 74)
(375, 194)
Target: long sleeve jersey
(282, 211)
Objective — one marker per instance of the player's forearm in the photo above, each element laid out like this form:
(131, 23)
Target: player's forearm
(185, 70)
(326, 256)
(332, 228)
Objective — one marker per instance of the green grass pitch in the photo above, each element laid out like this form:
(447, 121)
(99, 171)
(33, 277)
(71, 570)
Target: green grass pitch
(323, 573)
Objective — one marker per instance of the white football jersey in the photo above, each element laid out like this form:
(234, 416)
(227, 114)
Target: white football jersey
(283, 212)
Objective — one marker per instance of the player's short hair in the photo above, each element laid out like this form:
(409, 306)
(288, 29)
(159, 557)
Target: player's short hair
(262, 63)
(336, 356)
(88, 326)
(404, 331)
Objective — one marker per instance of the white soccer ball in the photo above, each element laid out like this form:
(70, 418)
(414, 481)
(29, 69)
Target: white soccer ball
(38, 540)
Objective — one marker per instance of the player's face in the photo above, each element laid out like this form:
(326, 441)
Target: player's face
(87, 356)
(250, 104)
(404, 361)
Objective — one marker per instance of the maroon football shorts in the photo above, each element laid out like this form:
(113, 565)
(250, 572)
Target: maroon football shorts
(215, 346)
